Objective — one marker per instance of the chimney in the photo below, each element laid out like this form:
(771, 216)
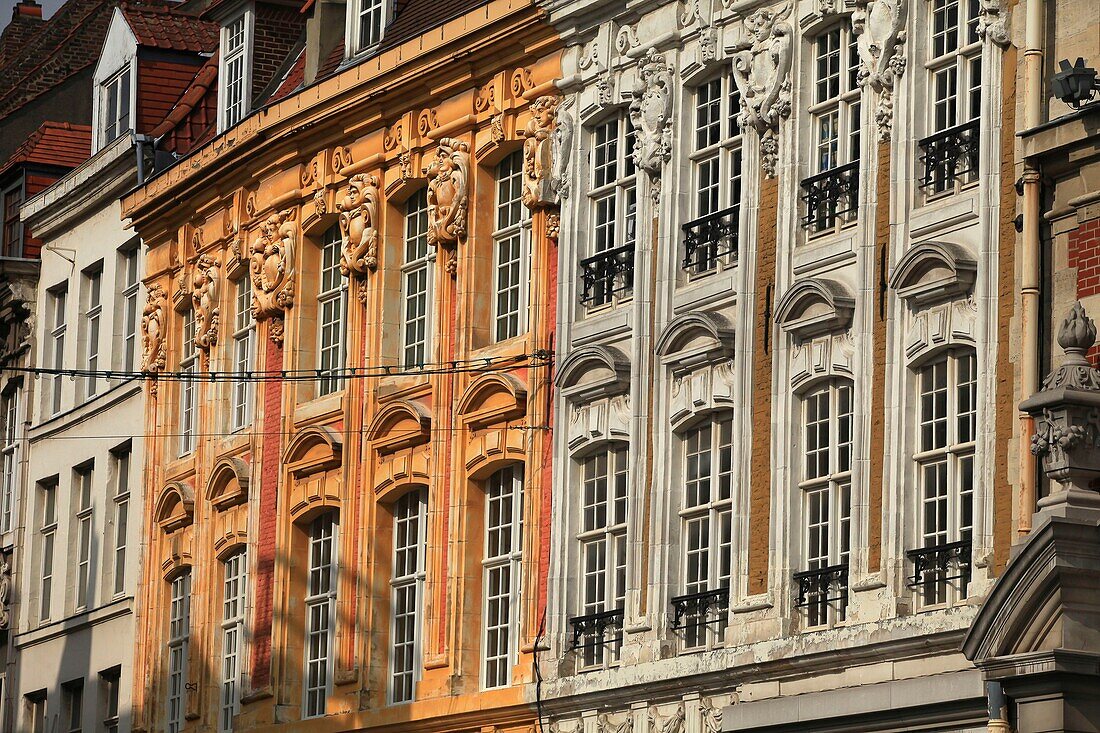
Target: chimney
(26, 19)
(28, 8)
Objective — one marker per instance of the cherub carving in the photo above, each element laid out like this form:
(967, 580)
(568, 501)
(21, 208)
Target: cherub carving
(152, 330)
(204, 301)
(448, 192)
(271, 265)
(359, 225)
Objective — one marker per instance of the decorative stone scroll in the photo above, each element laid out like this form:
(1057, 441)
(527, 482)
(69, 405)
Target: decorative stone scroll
(651, 115)
(152, 330)
(204, 301)
(271, 266)
(359, 227)
(879, 26)
(761, 71)
(448, 192)
(540, 150)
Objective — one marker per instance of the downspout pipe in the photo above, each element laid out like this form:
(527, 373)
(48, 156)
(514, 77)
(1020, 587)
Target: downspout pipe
(997, 705)
(1029, 271)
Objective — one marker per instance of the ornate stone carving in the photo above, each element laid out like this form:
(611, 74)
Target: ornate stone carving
(604, 724)
(204, 301)
(405, 161)
(712, 716)
(521, 82)
(673, 723)
(496, 129)
(392, 136)
(448, 192)
(359, 225)
(562, 148)
(5, 593)
(485, 97)
(626, 40)
(993, 22)
(320, 205)
(152, 330)
(879, 26)
(708, 44)
(341, 158)
(553, 226)
(651, 114)
(538, 153)
(1076, 336)
(761, 70)
(426, 122)
(271, 265)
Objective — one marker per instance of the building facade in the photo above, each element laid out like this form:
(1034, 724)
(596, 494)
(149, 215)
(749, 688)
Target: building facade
(351, 307)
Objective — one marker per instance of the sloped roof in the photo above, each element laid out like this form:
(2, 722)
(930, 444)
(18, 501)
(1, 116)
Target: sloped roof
(167, 28)
(54, 143)
(194, 118)
(293, 80)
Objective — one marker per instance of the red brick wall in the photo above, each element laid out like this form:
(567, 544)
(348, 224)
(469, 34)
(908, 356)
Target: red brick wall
(277, 30)
(1084, 254)
(160, 84)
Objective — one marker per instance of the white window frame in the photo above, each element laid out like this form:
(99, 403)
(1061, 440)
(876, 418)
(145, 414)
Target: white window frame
(129, 285)
(244, 353)
(188, 386)
(357, 11)
(232, 112)
(92, 316)
(234, 594)
(512, 267)
(116, 121)
(613, 198)
(9, 456)
(83, 479)
(410, 526)
(59, 298)
(47, 531)
(835, 111)
(417, 291)
(320, 605)
(332, 315)
(178, 647)
(502, 577)
(121, 458)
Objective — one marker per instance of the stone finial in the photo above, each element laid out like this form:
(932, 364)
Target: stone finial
(1076, 336)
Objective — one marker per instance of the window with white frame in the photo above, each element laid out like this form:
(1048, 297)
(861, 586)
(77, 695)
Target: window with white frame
(93, 313)
(831, 193)
(108, 701)
(47, 537)
(706, 516)
(416, 281)
(82, 504)
(332, 308)
(56, 347)
(945, 464)
(407, 592)
(826, 489)
(9, 465)
(234, 92)
(510, 245)
(711, 238)
(189, 368)
(128, 286)
(244, 349)
(320, 614)
(954, 66)
(503, 556)
(609, 271)
(179, 642)
(234, 587)
(121, 458)
(72, 706)
(115, 107)
(597, 633)
(367, 23)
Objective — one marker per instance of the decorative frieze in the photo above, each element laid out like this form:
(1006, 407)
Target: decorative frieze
(271, 267)
(448, 193)
(761, 70)
(359, 227)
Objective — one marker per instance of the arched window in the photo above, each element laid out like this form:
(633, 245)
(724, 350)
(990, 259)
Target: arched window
(711, 237)
(706, 515)
(332, 314)
(511, 250)
(320, 614)
(826, 489)
(407, 584)
(234, 589)
(416, 281)
(503, 554)
(179, 640)
(945, 466)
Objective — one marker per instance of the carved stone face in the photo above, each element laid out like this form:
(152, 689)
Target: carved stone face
(353, 197)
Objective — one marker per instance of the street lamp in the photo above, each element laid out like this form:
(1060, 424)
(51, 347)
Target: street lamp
(1075, 85)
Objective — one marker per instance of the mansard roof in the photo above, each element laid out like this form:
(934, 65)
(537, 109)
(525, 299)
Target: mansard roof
(167, 28)
(55, 144)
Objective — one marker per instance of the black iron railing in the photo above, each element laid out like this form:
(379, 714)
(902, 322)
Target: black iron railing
(950, 156)
(710, 239)
(822, 590)
(700, 609)
(597, 635)
(607, 275)
(938, 567)
(831, 197)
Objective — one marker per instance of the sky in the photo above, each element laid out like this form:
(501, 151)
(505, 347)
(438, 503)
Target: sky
(48, 6)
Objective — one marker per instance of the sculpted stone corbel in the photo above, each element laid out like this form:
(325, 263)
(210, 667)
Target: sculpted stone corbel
(448, 192)
(993, 21)
(271, 267)
(879, 26)
(152, 330)
(651, 115)
(761, 70)
(359, 226)
(5, 593)
(204, 301)
(539, 153)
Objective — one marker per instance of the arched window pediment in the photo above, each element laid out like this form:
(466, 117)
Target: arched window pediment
(814, 307)
(695, 339)
(592, 372)
(400, 424)
(493, 399)
(314, 449)
(175, 508)
(228, 484)
(934, 272)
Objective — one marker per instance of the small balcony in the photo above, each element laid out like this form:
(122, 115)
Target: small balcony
(598, 637)
(940, 572)
(831, 198)
(607, 275)
(695, 613)
(823, 593)
(711, 239)
(949, 158)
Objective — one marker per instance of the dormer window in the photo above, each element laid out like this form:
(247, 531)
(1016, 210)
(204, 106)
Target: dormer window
(116, 106)
(233, 96)
(367, 21)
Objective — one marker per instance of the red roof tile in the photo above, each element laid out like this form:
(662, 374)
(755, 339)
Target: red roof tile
(54, 143)
(165, 27)
(293, 79)
(335, 58)
(193, 120)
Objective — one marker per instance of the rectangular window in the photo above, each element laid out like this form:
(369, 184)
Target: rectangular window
(189, 366)
(82, 503)
(9, 465)
(179, 640)
(234, 85)
(72, 706)
(234, 587)
(115, 108)
(609, 270)
(407, 589)
(93, 312)
(129, 284)
(36, 711)
(108, 699)
(503, 555)
(332, 308)
(416, 281)
(56, 347)
(244, 330)
(13, 228)
(370, 21)
(47, 498)
(122, 508)
(511, 256)
(320, 614)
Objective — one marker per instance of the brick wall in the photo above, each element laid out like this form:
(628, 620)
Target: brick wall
(878, 365)
(1084, 254)
(277, 30)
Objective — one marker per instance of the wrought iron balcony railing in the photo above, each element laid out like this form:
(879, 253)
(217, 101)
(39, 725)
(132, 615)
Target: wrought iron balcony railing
(950, 156)
(598, 636)
(607, 275)
(937, 568)
(711, 239)
(831, 197)
(823, 593)
(697, 613)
